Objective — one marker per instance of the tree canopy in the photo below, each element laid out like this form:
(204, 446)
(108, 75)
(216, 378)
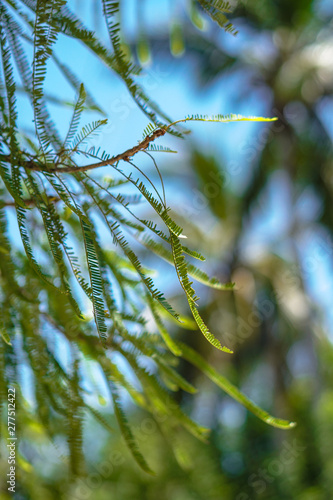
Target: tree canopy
(78, 295)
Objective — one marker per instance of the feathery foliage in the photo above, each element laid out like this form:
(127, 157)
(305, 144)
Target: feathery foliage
(90, 300)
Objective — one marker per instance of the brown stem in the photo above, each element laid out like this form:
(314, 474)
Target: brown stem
(30, 201)
(126, 155)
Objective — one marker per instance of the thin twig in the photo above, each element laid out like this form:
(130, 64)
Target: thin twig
(126, 155)
(30, 201)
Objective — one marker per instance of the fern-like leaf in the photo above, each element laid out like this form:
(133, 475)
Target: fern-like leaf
(95, 280)
(217, 9)
(76, 116)
(126, 431)
(182, 272)
(198, 361)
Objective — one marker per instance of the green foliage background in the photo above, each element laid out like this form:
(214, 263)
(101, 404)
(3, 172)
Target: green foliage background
(282, 353)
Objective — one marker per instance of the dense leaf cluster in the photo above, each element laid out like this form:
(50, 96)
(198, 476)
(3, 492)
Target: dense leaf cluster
(47, 284)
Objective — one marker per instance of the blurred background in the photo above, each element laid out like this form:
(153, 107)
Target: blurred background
(256, 200)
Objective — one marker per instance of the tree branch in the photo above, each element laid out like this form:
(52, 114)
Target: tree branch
(126, 155)
(30, 201)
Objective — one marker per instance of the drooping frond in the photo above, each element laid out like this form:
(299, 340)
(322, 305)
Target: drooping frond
(126, 431)
(75, 424)
(76, 84)
(22, 223)
(126, 69)
(14, 33)
(8, 76)
(153, 148)
(182, 272)
(217, 10)
(55, 233)
(148, 282)
(163, 331)
(192, 270)
(76, 117)
(45, 36)
(95, 280)
(223, 119)
(160, 398)
(196, 359)
(82, 237)
(12, 182)
(87, 131)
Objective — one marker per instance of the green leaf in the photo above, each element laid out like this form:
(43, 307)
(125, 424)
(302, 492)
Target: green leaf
(231, 118)
(218, 379)
(163, 331)
(126, 431)
(5, 337)
(217, 9)
(86, 132)
(192, 270)
(95, 280)
(76, 116)
(181, 268)
(45, 36)
(21, 219)
(162, 401)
